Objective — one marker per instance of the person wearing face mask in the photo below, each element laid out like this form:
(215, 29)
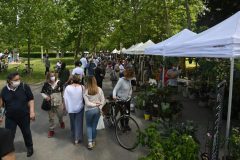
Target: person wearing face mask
(18, 102)
(52, 91)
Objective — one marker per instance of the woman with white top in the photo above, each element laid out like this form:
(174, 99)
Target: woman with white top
(52, 91)
(94, 101)
(73, 98)
(123, 90)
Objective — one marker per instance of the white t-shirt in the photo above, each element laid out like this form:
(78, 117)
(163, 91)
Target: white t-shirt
(96, 61)
(84, 62)
(73, 98)
(121, 68)
(79, 71)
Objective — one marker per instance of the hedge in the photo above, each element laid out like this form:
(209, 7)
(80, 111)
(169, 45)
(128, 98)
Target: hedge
(38, 55)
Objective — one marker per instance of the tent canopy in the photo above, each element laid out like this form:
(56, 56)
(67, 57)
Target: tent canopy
(132, 49)
(220, 41)
(158, 49)
(140, 49)
(125, 51)
(115, 51)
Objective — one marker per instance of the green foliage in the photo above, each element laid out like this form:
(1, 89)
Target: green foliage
(137, 21)
(38, 55)
(235, 143)
(92, 24)
(38, 69)
(169, 141)
(156, 102)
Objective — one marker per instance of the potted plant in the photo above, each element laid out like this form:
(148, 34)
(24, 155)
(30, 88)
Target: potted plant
(166, 141)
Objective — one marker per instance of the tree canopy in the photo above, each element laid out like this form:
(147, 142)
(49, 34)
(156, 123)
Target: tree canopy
(93, 25)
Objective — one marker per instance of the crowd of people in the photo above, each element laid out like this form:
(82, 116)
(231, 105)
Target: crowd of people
(78, 93)
(7, 57)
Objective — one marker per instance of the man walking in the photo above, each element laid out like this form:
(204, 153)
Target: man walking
(17, 99)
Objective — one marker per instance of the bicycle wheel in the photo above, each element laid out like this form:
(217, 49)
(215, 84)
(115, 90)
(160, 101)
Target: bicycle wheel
(126, 132)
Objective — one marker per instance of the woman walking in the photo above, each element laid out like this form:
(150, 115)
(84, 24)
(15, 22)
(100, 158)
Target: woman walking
(73, 98)
(94, 101)
(52, 91)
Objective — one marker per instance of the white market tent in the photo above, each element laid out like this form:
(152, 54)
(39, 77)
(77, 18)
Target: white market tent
(125, 51)
(132, 49)
(158, 49)
(140, 49)
(220, 41)
(115, 51)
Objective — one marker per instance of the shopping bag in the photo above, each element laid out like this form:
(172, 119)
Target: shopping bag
(100, 124)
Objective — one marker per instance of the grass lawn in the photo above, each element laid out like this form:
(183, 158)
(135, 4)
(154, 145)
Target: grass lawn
(38, 69)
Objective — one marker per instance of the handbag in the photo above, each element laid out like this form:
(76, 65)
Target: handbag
(56, 99)
(46, 105)
(100, 124)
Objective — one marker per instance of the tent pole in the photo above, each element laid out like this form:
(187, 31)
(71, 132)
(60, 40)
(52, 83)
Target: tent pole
(163, 72)
(229, 107)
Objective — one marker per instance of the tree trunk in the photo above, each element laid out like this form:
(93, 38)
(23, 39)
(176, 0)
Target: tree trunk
(29, 50)
(168, 29)
(78, 43)
(188, 14)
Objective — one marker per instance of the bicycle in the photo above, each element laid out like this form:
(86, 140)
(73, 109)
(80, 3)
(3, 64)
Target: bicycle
(27, 70)
(126, 127)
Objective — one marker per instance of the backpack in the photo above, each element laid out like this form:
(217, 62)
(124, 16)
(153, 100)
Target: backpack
(113, 76)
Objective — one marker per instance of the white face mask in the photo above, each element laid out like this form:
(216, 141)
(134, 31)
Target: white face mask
(52, 79)
(15, 84)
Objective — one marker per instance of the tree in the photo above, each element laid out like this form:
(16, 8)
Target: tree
(157, 20)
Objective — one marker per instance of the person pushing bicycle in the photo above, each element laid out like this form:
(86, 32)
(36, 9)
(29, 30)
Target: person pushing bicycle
(123, 93)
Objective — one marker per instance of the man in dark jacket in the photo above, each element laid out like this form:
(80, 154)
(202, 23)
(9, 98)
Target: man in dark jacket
(17, 99)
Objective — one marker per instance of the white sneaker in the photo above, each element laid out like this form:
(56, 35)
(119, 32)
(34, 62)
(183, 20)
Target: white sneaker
(90, 145)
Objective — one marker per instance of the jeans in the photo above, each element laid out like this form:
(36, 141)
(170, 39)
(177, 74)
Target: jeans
(92, 117)
(24, 125)
(76, 124)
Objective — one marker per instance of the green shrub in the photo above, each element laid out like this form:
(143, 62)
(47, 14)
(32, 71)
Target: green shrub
(38, 55)
(167, 141)
(234, 143)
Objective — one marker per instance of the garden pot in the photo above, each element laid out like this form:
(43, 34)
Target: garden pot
(147, 116)
(155, 118)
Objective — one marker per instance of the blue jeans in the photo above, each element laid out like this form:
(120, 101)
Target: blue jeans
(92, 117)
(76, 124)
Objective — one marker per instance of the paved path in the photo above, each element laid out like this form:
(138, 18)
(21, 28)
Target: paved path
(61, 148)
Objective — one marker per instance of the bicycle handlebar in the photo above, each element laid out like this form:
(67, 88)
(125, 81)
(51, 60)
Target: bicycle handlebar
(122, 100)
